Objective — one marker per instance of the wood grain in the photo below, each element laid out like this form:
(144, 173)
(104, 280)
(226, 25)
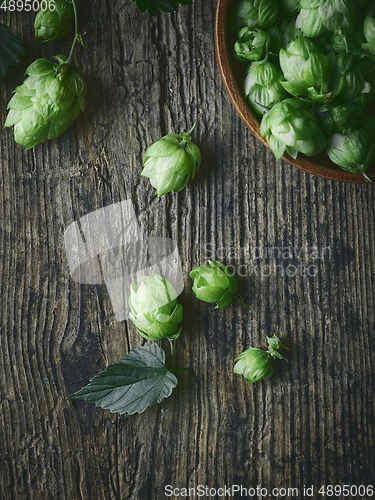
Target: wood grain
(312, 423)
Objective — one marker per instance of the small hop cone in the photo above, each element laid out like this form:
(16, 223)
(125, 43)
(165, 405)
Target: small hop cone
(154, 308)
(47, 102)
(51, 25)
(171, 162)
(256, 364)
(214, 283)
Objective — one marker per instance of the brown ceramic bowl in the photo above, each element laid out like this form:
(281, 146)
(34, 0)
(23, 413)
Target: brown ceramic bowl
(231, 73)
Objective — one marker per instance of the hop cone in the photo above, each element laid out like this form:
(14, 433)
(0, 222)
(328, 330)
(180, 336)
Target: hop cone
(289, 126)
(250, 44)
(356, 77)
(333, 118)
(262, 86)
(254, 364)
(253, 14)
(154, 308)
(307, 70)
(214, 283)
(289, 8)
(47, 102)
(54, 24)
(171, 162)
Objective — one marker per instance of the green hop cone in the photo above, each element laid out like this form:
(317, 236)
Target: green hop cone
(262, 86)
(250, 44)
(256, 364)
(340, 43)
(353, 152)
(369, 32)
(47, 102)
(253, 14)
(170, 162)
(53, 24)
(355, 78)
(214, 283)
(307, 70)
(318, 16)
(289, 31)
(288, 126)
(154, 308)
(365, 121)
(276, 38)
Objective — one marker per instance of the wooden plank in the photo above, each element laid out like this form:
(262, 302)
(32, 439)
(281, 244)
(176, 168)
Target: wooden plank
(312, 423)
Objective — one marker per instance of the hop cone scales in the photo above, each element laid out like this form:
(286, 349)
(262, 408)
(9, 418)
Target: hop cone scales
(47, 103)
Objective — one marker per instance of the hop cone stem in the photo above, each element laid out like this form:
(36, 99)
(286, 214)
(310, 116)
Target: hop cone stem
(241, 301)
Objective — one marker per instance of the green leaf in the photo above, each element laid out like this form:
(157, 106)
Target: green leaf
(11, 49)
(153, 6)
(137, 381)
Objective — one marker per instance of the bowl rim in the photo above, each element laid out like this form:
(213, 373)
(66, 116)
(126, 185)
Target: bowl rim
(235, 95)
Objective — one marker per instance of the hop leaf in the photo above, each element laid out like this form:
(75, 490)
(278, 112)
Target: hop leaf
(137, 381)
(11, 49)
(153, 6)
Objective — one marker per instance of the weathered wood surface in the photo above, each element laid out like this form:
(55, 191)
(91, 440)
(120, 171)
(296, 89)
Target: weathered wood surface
(312, 423)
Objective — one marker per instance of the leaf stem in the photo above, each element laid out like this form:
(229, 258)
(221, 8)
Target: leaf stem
(77, 35)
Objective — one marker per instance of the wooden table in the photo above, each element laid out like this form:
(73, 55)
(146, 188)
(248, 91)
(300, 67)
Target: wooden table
(303, 248)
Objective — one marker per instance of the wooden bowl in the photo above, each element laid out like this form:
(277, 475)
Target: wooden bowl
(232, 75)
